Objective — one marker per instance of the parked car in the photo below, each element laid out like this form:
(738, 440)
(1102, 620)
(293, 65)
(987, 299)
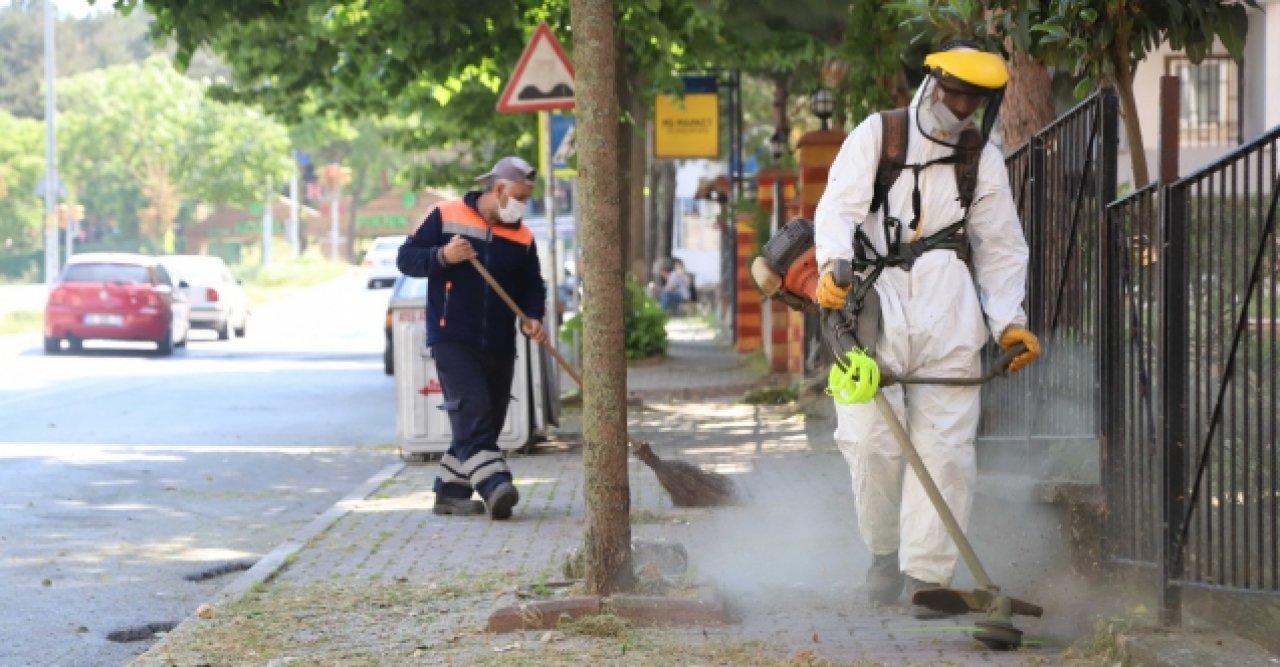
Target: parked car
(218, 301)
(380, 261)
(116, 296)
(405, 293)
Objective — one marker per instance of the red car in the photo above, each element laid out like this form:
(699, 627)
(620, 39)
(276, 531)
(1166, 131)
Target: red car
(115, 296)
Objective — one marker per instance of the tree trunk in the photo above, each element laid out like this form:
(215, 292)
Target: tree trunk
(357, 185)
(1028, 101)
(665, 193)
(631, 163)
(1129, 107)
(653, 234)
(604, 410)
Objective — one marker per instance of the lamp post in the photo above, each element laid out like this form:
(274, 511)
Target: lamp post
(822, 103)
(778, 146)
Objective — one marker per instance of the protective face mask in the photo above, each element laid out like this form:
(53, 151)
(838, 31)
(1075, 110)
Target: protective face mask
(947, 120)
(512, 211)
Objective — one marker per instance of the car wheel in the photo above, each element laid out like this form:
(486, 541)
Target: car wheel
(52, 345)
(164, 346)
(244, 326)
(388, 361)
(373, 284)
(75, 344)
(224, 330)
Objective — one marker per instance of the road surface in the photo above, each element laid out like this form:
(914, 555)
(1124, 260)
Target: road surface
(122, 472)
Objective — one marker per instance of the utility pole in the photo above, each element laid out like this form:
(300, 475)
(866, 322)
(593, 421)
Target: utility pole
(51, 153)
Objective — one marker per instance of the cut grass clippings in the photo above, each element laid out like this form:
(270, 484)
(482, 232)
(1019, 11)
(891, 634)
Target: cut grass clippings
(21, 321)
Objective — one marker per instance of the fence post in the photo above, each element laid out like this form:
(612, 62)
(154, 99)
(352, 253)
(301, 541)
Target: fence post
(1110, 405)
(1036, 231)
(1174, 363)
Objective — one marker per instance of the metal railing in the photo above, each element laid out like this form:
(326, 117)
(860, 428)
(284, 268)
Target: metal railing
(1131, 458)
(1061, 181)
(1220, 351)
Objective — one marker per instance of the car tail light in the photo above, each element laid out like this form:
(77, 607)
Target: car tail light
(368, 263)
(153, 300)
(210, 294)
(59, 297)
(388, 319)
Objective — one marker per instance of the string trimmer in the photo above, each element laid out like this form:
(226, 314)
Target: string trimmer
(856, 378)
(688, 485)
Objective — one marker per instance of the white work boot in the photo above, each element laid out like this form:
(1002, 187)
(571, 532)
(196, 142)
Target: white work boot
(884, 580)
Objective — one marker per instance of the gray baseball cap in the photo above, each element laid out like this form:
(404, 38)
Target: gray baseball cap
(511, 168)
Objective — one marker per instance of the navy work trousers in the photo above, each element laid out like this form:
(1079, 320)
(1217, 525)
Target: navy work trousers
(477, 392)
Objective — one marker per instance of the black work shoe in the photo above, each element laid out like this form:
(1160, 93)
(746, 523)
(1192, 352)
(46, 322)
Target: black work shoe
(884, 580)
(457, 506)
(919, 611)
(501, 500)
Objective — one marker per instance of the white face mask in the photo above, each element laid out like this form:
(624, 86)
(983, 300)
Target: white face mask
(937, 119)
(513, 211)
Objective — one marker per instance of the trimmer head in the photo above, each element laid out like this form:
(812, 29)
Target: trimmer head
(996, 630)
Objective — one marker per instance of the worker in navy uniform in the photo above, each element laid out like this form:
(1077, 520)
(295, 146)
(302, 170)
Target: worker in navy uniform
(471, 332)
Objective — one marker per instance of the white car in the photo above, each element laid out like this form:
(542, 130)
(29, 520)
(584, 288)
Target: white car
(380, 261)
(218, 302)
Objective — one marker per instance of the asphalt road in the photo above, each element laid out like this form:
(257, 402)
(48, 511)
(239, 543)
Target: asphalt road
(121, 472)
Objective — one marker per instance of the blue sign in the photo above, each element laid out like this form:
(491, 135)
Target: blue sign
(563, 142)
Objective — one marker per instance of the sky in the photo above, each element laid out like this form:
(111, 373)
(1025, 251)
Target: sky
(74, 8)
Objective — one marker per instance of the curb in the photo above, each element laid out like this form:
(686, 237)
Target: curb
(1166, 648)
(276, 560)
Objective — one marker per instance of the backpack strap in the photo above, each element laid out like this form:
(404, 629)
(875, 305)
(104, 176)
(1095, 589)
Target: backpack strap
(893, 154)
(970, 154)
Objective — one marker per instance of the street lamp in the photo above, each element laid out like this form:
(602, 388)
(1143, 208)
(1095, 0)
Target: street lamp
(778, 144)
(822, 103)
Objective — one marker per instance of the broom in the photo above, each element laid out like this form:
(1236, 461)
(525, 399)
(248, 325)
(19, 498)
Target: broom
(688, 485)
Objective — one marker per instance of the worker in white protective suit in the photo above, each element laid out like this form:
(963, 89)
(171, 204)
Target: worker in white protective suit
(936, 315)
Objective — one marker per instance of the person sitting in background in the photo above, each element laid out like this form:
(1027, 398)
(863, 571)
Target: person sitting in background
(675, 289)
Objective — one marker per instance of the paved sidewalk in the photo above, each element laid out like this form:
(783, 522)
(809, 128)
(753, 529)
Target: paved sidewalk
(389, 583)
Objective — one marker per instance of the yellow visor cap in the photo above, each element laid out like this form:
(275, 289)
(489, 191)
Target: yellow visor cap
(976, 68)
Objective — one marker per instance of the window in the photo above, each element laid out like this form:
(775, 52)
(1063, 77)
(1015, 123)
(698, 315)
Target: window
(1209, 105)
(106, 273)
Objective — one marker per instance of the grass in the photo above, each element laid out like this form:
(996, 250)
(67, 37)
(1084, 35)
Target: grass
(21, 321)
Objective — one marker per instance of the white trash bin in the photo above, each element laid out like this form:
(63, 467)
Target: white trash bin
(421, 426)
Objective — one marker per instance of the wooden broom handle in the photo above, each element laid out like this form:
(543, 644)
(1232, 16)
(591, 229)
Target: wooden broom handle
(524, 319)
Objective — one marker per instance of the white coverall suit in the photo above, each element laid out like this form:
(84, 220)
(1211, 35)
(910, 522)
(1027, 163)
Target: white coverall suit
(933, 325)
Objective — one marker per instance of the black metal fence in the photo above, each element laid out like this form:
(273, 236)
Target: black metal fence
(1220, 355)
(1159, 318)
(1061, 181)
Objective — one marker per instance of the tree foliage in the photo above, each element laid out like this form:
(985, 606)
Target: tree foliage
(128, 130)
(22, 164)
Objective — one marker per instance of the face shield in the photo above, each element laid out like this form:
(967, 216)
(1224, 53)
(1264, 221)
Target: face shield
(963, 88)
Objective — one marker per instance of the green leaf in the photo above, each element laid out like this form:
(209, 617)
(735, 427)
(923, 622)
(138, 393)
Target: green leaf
(1083, 88)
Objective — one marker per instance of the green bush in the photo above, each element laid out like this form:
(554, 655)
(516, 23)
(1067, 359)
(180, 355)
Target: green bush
(645, 324)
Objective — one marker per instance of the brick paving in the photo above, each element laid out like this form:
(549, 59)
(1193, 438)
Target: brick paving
(787, 561)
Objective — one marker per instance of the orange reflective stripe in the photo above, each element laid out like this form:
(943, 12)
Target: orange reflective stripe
(458, 218)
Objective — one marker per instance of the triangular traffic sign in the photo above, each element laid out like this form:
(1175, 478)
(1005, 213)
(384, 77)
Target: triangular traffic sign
(543, 78)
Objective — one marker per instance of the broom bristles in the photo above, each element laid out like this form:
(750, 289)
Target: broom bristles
(688, 485)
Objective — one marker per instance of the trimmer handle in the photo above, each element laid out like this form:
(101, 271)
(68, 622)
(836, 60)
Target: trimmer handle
(842, 273)
(999, 368)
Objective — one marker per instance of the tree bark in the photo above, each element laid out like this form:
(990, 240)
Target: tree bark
(357, 185)
(1028, 101)
(665, 193)
(1129, 106)
(604, 411)
(632, 162)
